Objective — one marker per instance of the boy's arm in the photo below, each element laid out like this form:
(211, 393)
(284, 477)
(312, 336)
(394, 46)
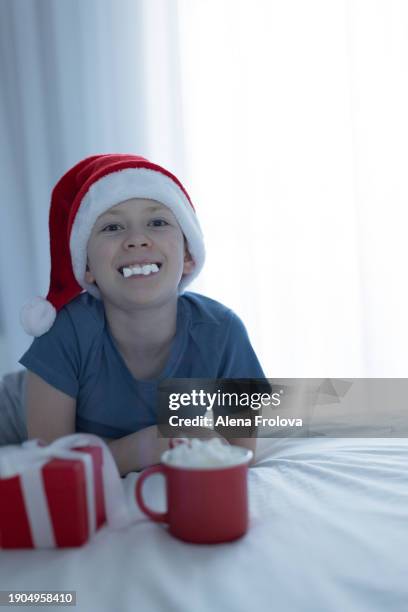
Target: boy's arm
(50, 412)
(51, 415)
(143, 448)
(138, 450)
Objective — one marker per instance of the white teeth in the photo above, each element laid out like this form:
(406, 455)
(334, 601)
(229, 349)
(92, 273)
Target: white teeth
(138, 270)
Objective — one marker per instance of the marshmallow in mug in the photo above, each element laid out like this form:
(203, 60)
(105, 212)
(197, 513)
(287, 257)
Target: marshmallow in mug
(203, 453)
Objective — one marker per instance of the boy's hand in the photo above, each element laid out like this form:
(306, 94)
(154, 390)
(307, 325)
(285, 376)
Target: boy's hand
(203, 433)
(145, 447)
(176, 441)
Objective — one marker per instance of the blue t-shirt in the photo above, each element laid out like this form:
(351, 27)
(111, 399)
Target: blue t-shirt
(79, 357)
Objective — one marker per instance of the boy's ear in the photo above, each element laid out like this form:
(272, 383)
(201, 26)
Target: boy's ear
(188, 261)
(90, 279)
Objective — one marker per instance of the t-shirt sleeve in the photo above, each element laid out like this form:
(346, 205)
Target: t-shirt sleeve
(238, 357)
(55, 356)
(240, 363)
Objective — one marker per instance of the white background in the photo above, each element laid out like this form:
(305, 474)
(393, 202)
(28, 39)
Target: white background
(287, 123)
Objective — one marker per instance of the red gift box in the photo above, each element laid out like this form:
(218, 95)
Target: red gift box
(58, 503)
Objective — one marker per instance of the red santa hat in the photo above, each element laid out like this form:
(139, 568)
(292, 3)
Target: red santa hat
(85, 192)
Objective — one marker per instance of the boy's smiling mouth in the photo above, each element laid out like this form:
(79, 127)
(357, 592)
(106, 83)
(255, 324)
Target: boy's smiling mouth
(142, 269)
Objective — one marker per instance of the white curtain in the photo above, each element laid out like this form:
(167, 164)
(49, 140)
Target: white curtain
(297, 126)
(286, 120)
(78, 77)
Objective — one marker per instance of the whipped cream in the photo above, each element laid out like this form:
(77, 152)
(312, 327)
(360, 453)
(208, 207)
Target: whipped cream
(206, 453)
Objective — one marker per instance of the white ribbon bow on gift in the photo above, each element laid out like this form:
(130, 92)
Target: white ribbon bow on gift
(27, 462)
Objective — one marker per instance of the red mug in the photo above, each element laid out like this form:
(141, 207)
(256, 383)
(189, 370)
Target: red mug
(205, 505)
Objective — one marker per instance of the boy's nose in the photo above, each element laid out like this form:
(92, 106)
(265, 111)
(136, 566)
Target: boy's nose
(137, 240)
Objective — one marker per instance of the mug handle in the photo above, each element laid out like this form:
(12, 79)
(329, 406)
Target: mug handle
(159, 517)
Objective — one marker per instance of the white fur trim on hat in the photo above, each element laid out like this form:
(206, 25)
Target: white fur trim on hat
(37, 316)
(124, 185)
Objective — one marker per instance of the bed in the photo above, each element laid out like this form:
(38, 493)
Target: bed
(328, 533)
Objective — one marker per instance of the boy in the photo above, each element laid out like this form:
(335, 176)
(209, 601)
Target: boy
(125, 242)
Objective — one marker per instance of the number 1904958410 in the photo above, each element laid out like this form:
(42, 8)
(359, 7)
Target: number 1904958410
(19, 598)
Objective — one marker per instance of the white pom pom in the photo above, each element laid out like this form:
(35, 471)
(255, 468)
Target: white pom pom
(37, 316)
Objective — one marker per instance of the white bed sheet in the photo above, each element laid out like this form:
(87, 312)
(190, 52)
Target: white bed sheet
(328, 533)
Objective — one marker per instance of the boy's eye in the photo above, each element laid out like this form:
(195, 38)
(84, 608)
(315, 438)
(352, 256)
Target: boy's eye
(112, 227)
(158, 222)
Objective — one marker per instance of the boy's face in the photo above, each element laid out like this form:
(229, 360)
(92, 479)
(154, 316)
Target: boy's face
(133, 234)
